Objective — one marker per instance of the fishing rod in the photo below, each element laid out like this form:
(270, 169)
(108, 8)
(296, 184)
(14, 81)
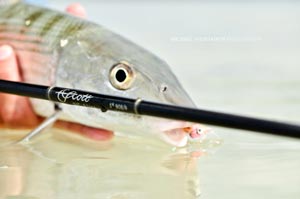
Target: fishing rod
(142, 107)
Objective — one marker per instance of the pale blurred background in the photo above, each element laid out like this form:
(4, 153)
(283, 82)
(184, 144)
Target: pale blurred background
(234, 56)
(230, 55)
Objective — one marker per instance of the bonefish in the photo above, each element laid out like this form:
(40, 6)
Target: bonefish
(66, 51)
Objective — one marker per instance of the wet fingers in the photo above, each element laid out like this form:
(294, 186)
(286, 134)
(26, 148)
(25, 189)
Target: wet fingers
(15, 111)
(86, 131)
(77, 10)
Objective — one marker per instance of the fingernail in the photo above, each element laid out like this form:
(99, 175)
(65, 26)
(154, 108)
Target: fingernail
(5, 52)
(76, 9)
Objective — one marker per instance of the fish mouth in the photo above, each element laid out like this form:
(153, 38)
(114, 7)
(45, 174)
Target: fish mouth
(178, 133)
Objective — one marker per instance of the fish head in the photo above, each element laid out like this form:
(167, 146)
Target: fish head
(107, 63)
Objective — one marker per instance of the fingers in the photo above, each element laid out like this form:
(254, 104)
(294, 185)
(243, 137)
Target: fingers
(8, 71)
(86, 131)
(76, 9)
(15, 111)
(8, 63)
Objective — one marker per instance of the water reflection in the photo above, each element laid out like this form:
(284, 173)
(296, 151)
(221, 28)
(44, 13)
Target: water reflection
(59, 166)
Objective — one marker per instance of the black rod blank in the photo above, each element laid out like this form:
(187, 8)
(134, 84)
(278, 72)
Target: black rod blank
(137, 106)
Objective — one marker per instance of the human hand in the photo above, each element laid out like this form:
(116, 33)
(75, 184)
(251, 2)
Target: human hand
(17, 112)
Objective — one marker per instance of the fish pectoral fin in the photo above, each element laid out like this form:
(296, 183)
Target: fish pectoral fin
(49, 121)
(176, 137)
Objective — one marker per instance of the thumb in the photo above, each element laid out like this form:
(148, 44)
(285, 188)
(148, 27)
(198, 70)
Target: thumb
(15, 111)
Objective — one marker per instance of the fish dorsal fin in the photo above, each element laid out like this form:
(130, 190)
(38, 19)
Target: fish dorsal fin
(8, 2)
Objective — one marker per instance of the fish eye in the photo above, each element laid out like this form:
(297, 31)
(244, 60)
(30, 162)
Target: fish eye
(122, 76)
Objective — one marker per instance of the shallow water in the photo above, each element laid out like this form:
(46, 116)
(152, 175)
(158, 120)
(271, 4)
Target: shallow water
(237, 57)
(57, 165)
